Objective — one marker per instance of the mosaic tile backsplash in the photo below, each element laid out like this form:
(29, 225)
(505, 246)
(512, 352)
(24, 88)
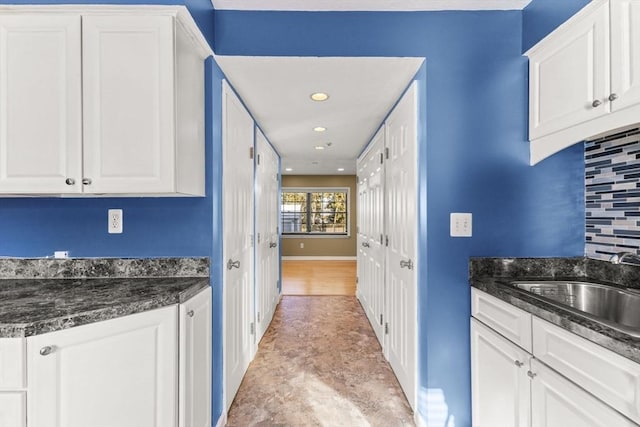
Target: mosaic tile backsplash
(612, 178)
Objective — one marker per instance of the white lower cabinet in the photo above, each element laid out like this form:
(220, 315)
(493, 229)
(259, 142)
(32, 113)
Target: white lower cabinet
(510, 387)
(13, 409)
(195, 361)
(151, 369)
(121, 372)
(499, 382)
(557, 402)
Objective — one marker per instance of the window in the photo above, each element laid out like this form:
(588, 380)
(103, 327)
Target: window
(315, 211)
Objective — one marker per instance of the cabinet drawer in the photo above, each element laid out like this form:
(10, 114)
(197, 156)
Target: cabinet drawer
(13, 407)
(12, 363)
(509, 321)
(610, 377)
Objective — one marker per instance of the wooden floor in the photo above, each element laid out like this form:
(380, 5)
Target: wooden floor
(318, 277)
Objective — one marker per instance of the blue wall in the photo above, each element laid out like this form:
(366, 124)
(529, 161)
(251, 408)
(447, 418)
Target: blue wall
(541, 17)
(474, 157)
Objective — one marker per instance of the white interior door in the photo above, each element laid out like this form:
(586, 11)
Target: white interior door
(401, 226)
(267, 255)
(237, 222)
(371, 255)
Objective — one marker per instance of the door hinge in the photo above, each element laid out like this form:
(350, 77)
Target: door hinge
(258, 159)
(251, 152)
(386, 241)
(278, 284)
(277, 229)
(357, 279)
(381, 239)
(253, 328)
(381, 319)
(386, 328)
(252, 238)
(386, 152)
(258, 238)
(258, 317)
(381, 158)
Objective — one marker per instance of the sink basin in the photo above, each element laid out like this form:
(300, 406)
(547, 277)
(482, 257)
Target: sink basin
(614, 307)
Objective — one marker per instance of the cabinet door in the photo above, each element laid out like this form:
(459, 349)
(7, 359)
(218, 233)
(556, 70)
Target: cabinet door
(557, 402)
(40, 103)
(195, 361)
(625, 53)
(500, 389)
(115, 373)
(128, 99)
(13, 409)
(569, 74)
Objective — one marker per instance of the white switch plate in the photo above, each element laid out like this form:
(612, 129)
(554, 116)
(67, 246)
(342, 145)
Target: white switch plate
(115, 221)
(461, 224)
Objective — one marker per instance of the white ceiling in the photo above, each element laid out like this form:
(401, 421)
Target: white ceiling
(370, 5)
(361, 91)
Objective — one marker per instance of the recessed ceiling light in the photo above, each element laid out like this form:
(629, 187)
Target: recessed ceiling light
(288, 169)
(319, 96)
(340, 169)
(319, 147)
(319, 129)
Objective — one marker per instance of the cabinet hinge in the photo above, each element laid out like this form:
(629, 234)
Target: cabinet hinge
(381, 320)
(357, 279)
(258, 238)
(253, 328)
(386, 328)
(381, 239)
(381, 158)
(258, 317)
(251, 153)
(386, 152)
(386, 241)
(258, 159)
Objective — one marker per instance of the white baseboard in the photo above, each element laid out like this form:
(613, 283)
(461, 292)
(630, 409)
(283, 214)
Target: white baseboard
(222, 421)
(319, 258)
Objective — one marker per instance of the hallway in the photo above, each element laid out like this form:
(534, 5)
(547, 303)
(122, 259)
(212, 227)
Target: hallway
(319, 364)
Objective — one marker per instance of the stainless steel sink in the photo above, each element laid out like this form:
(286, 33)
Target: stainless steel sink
(616, 307)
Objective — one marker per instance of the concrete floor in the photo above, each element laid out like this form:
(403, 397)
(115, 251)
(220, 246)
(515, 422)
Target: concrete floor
(320, 364)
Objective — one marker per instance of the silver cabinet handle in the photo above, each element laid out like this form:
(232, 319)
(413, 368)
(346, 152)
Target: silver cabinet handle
(519, 364)
(47, 350)
(407, 264)
(366, 245)
(231, 264)
(273, 245)
(596, 103)
(70, 181)
(190, 313)
(613, 97)
(86, 181)
(531, 374)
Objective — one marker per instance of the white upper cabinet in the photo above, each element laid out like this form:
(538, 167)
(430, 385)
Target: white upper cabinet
(569, 74)
(101, 100)
(584, 77)
(40, 104)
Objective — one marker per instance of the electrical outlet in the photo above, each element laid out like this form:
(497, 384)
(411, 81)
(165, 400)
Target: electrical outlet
(301, 245)
(115, 221)
(461, 225)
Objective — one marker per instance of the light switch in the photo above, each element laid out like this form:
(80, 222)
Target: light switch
(461, 224)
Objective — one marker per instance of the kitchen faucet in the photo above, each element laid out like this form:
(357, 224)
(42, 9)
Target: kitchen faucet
(625, 258)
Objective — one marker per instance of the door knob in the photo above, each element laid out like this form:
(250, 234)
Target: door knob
(531, 374)
(273, 245)
(518, 363)
(366, 245)
(408, 264)
(596, 103)
(190, 313)
(70, 181)
(231, 264)
(86, 181)
(613, 97)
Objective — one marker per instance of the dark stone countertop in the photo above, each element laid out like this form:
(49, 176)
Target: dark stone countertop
(42, 295)
(496, 282)
(36, 306)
